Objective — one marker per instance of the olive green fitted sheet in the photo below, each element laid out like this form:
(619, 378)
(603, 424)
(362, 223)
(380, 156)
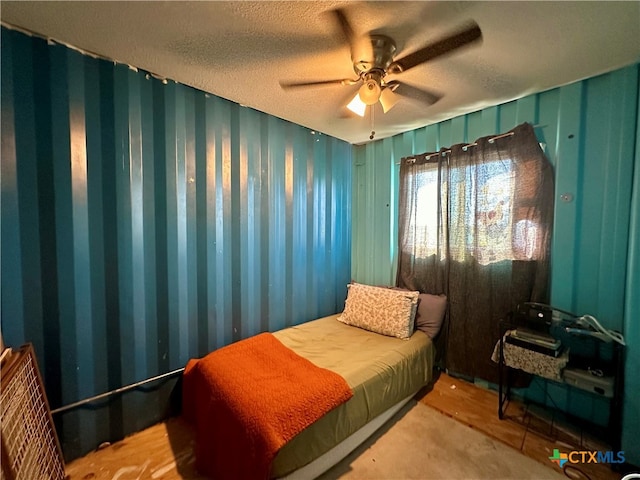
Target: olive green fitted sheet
(380, 370)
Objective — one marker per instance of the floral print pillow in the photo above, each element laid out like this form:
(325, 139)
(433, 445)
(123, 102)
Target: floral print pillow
(380, 310)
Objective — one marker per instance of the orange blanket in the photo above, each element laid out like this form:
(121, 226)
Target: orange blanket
(250, 398)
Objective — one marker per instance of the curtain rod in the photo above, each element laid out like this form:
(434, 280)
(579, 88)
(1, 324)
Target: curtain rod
(464, 148)
(412, 159)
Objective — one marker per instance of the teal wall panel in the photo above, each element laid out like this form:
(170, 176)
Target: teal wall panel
(146, 223)
(589, 133)
(630, 437)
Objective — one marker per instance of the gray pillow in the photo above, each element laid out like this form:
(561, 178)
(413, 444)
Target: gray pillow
(430, 313)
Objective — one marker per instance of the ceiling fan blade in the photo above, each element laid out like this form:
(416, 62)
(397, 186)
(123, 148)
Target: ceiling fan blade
(345, 26)
(318, 83)
(359, 45)
(467, 36)
(415, 93)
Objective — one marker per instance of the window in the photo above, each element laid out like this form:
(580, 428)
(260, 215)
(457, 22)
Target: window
(487, 221)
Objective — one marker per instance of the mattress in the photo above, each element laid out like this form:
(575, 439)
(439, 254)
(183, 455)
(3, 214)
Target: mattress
(380, 370)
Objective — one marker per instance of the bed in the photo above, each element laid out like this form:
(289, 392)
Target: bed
(382, 371)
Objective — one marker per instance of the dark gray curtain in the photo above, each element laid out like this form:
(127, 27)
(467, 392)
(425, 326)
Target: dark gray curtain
(475, 224)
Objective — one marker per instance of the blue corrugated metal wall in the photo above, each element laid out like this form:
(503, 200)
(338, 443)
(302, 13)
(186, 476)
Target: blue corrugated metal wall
(146, 223)
(589, 132)
(630, 437)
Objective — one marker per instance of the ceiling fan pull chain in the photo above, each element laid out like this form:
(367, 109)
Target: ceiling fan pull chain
(372, 108)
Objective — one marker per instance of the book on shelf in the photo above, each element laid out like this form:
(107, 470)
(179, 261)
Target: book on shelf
(545, 348)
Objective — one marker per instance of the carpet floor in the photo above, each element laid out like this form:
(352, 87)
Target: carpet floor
(421, 443)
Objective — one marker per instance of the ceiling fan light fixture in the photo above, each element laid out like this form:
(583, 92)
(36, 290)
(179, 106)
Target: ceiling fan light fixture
(357, 106)
(370, 92)
(371, 88)
(388, 99)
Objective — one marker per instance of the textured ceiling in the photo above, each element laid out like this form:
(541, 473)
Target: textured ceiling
(242, 50)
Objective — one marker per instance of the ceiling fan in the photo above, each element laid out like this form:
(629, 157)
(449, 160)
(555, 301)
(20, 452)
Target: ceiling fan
(373, 57)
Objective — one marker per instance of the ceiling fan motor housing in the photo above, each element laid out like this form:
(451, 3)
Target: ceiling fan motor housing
(379, 57)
